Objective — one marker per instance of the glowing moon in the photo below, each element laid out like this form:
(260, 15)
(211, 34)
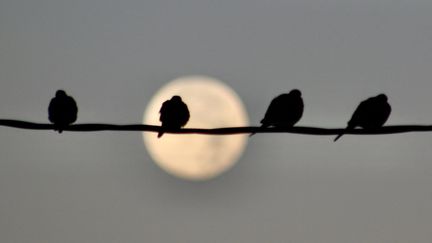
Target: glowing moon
(193, 156)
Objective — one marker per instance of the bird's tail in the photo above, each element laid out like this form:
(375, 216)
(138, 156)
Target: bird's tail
(58, 128)
(338, 136)
(262, 126)
(160, 134)
(342, 133)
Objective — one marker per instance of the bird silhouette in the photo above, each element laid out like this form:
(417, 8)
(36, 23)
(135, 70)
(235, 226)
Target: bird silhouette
(371, 113)
(174, 114)
(284, 111)
(62, 110)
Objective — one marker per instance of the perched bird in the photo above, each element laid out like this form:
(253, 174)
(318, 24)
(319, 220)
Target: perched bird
(371, 113)
(284, 111)
(62, 110)
(174, 114)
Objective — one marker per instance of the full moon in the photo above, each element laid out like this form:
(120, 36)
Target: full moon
(198, 157)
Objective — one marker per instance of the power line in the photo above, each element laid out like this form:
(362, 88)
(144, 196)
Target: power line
(94, 127)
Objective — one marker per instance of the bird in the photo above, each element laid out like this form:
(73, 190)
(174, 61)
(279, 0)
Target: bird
(284, 111)
(174, 114)
(62, 110)
(371, 113)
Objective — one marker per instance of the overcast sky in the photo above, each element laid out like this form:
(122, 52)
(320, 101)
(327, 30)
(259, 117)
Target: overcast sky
(112, 56)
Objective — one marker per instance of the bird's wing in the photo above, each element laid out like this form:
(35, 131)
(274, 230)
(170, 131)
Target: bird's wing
(274, 109)
(382, 112)
(358, 117)
(164, 110)
(289, 109)
(388, 110)
(185, 115)
(72, 109)
(52, 107)
(71, 104)
(297, 106)
(360, 113)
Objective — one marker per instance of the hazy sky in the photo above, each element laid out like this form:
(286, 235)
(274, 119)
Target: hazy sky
(113, 55)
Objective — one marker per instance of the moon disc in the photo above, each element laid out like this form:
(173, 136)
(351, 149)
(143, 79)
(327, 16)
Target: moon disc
(211, 104)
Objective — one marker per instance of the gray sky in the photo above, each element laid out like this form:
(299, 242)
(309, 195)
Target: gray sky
(113, 55)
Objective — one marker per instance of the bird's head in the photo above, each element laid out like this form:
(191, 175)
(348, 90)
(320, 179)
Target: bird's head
(382, 97)
(295, 92)
(176, 98)
(60, 93)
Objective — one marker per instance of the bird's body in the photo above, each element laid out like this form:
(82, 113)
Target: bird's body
(174, 114)
(62, 110)
(371, 113)
(284, 111)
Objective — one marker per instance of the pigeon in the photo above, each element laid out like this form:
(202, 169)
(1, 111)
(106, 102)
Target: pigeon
(284, 111)
(174, 114)
(371, 113)
(62, 110)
